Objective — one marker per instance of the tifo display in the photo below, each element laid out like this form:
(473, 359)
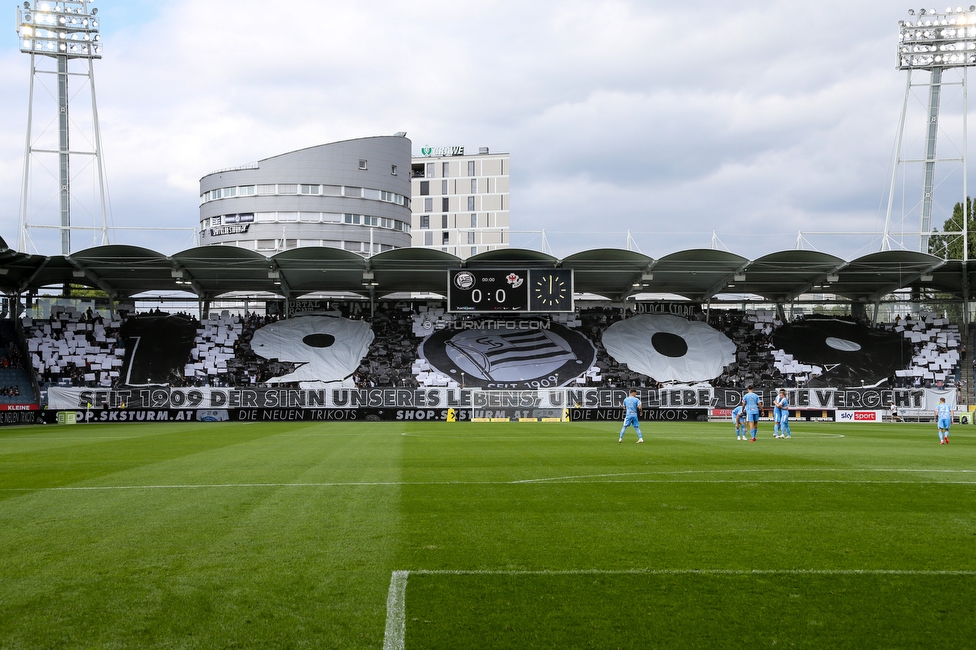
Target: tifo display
(418, 355)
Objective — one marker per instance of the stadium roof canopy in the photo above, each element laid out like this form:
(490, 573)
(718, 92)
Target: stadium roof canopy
(698, 274)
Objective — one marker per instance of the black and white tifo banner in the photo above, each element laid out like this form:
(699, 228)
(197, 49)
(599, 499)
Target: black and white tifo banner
(849, 352)
(156, 349)
(326, 348)
(669, 348)
(701, 396)
(514, 353)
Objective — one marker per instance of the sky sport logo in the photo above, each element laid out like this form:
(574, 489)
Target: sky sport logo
(858, 416)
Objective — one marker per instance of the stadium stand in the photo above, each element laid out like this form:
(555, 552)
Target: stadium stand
(85, 349)
(15, 381)
(75, 349)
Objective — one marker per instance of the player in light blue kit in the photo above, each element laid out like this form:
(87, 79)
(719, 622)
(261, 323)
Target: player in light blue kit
(738, 418)
(943, 413)
(752, 403)
(632, 406)
(777, 413)
(783, 419)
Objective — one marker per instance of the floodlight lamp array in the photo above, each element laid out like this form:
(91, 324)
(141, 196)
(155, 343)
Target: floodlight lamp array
(930, 39)
(66, 28)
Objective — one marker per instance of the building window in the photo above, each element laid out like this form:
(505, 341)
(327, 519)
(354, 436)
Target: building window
(393, 170)
(445, 169)
(470, 203)
(288, 188)
(215, 221)
(247, 190)
(474, 250)
(428, 238)
(474, 185)
(425, 221)
(229, 191)
(267, 190)
(474, 221)
(445, 238)
(311, 189)
(424, 188)
(362, 163)
(445, 204)
(443, 187)
(470, 168)
(428, 205)
(355, 192)
(430, 170)
(443, 221)
(471, 236)
(266, 244)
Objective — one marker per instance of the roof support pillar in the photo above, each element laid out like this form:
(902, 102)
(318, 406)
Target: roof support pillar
(965, 297)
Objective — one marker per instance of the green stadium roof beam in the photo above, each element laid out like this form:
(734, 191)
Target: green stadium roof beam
(412, 270)
(316, 269)
(609, 272)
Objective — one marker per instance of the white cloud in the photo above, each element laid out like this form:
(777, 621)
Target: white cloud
(755, 119)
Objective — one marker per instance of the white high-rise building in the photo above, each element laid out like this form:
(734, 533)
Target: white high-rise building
(459, 201)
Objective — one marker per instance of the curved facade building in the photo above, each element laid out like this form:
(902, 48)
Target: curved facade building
(353, 195)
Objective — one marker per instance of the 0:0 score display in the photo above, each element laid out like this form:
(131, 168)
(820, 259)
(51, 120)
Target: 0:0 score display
(509, 290)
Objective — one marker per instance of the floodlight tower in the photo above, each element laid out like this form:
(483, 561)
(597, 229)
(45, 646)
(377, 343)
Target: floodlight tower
(933, 42)
(61, 31)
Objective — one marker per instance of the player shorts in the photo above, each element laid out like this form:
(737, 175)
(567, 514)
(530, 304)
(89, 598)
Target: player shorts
(945, 423)
(752, 417)
(631, 421)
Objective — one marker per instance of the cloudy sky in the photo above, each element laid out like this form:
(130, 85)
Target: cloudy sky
(755, 119)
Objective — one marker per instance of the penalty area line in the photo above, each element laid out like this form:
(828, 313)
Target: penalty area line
(396, 599)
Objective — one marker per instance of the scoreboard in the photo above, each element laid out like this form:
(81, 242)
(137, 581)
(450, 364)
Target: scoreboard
(509, 290)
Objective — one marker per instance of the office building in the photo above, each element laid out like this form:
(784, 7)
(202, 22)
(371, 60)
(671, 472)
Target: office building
(353, 195)
(460, 201)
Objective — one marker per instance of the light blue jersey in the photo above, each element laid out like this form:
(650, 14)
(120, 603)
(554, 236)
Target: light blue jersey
(783, 419)
(631, 408)
(738, 419)
(631, 405)
(752, 402)
(943, 413)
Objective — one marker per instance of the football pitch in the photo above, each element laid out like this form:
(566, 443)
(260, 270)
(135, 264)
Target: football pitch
(443, 535)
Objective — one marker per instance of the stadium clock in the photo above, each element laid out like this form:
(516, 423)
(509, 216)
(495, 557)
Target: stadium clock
(551, 290)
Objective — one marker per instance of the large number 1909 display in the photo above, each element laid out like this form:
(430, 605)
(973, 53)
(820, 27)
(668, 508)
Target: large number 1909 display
(510, 290)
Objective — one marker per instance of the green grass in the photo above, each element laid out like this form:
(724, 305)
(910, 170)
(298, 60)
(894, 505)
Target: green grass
(285, 535)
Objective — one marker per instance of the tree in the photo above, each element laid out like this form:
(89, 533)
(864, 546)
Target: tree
(949, 247)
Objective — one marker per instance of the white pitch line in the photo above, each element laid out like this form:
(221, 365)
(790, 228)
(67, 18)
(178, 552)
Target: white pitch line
(75, 439)
(746, 471)
(552, 481)
(664, 572)
(396, 619)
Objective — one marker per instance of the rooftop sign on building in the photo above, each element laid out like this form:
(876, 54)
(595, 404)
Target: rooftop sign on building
(441, 151)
